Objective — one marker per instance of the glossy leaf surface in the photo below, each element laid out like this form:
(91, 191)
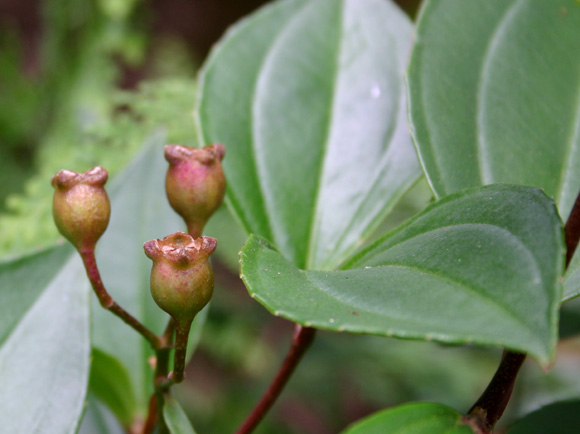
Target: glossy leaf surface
(313, 117)
(494, 92)
(479, 266)
(44, 342)
(415, 418)
(175, 418)
(559, 418)
(140, 212)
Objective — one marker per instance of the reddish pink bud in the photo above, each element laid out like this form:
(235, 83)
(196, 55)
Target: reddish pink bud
(182, 280)
(81, 207)
(195, 183)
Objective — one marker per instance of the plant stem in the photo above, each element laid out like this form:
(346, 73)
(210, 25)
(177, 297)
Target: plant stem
(181, 338)
(492, 403)
(90, 263)
(301, 341)
(572, 231)
(162, 345)
(161, 385)
(160, 381)
(152, 416)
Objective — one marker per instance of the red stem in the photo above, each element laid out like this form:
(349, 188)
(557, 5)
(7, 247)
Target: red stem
(572, 231)
(152, 415)
(90, 263)
(160, 381)
(301, 341)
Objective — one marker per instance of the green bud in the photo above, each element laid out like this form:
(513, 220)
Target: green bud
(182, 280)
(195, 183)
(80, 206)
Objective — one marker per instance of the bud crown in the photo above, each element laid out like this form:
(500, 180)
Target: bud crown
(195, 183)
(182, 280)
(80, 206)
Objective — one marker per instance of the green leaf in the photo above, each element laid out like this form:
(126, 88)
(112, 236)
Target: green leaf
(308, 98)
(140, 212)
(44, 342)
(559, 418)
(479, 266)
(111, 383)
(494, 95)
(414, 418)
(175, 417)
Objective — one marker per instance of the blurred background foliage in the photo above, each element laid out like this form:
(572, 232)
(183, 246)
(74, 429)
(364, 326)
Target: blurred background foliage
(82, 83)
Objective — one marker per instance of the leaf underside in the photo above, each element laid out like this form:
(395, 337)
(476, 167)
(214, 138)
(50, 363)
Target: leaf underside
(44, 338)
(175, 418)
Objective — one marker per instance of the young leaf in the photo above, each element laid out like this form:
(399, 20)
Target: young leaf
(308, 98)
(414, 418)
(98, 419)
(559, 418)
(111, 383)
(44, 342)
(175, 417)
(140, 212)
(494, 95)
(479, 266)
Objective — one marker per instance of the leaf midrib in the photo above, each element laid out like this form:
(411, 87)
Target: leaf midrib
(310, 249)
(574, 133)
(261, 179)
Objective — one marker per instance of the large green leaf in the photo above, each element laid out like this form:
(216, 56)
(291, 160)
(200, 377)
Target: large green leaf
(559, 418)
(140, 212)
(494, 90)
(414, 418)
(44, 342)
(308, 98)
(479, 266)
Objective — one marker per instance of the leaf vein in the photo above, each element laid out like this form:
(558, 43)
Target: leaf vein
(496, 37)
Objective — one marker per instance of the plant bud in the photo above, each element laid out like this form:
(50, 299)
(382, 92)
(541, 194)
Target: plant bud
(195, 183)
(181, 278)
(81, 207)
